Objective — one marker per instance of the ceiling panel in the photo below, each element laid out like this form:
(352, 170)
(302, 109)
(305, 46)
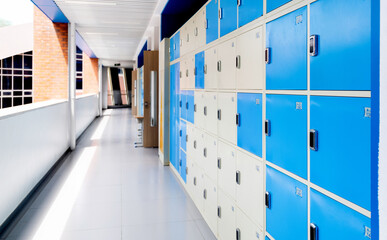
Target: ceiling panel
(112, 29)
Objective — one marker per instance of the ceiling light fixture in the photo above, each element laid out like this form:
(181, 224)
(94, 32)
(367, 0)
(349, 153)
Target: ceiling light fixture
(92, 3)
(101, 33)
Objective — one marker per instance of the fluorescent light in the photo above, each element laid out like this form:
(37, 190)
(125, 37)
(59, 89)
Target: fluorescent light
(92, 3)
(54, 222)
(102, 33)
(101, 127)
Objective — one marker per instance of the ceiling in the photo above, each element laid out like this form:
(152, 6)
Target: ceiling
(113, 29)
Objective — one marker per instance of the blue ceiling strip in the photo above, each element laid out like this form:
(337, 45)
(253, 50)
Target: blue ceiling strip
(51, 10)
(83, 45)
(140, 58)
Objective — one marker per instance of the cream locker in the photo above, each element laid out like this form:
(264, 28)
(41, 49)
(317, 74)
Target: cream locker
(200, 28)
(211, 68)
(190, 36)
(190, 138)
(198, 187)
(226, 217)
(198, 148)
(210, 110)
(249, 187)
(226, 169)
(191, 71)
(250, 60)
(190, 174)
(246, 229)
(183, 44)
(210, 195)
(226, 115)
(210, 151)
(183, 73)
(199, 109)
(226, 66)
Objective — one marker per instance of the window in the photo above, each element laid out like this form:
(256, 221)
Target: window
(16, 81)
(79, 70)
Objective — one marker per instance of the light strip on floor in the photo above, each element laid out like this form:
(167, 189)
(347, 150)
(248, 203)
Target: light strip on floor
(55, 221)
(101, 127)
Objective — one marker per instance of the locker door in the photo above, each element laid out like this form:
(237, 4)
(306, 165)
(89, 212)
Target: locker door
(228, 16)
(335, 221)
(210, 112)
(211, 69)
(199, 69)
(183, 135)
(250, 122)
(210, 195)
(172, 49)
(200, 145)
(175, 115)
(286, 140)
(199, 109)
(273, 4)
(190, 175)
(249, 186)
(212, 21)
(177, 45)
(191, 72)
(226, 217)
(227, 169)
(227, 128)
(182, 105)
(200, 31)
(210, 151)
(249, 10)
(183, 39)
(344, 47)
(226, 65)
(190, 40)
(289, 217)
(190, 106)
(182, 166)
(246, 229)
(249, 57)
(184, 73)
(286, 42)
(190, 141)
(198, 182)
(342, 161)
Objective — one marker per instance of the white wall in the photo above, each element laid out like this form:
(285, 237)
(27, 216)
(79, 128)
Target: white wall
(383, 123)
(104, 87)
(16, 39)
(86, 109)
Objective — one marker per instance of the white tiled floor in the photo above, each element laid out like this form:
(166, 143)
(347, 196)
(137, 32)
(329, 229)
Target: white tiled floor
(126, 194)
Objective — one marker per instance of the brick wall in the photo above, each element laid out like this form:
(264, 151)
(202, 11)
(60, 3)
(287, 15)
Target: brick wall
(50, 58)
(90, 75)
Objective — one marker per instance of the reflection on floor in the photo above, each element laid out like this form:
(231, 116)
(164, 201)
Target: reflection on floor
(107, 189)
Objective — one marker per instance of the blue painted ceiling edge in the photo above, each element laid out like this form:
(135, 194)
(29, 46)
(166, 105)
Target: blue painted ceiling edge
(53, 12)
(140, 58)
(176, 13)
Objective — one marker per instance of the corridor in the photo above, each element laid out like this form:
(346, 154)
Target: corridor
(107, 189)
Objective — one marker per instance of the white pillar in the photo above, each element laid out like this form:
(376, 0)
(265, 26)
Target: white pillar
(100, 79)
(71, 83)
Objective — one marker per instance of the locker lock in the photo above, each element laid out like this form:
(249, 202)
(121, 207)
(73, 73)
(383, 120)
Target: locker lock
(219, 212)
(313, 142)
(267, 55)
(205, 193)
(238, 234)
(238, 177)
(219, 163)
(313, 232)
(313, 45)
(267, 127)
(268, 200)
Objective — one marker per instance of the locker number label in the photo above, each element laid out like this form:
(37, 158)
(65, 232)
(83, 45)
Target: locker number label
(298, 105)
(257, 101)
(298, 192)
(367, 232)
(367, 112)
(299, 19)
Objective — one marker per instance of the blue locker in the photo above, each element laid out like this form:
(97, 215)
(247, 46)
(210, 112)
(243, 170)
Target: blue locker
(286, 138)
(287, 214)
(249, 10)
(174, 115)
(228, 16)
(341, 161)
(177, 45)
(172, 49)
(250, 122)
(183, 135)
(212, 21)
(273, 4)
(190, 104)
(286, 39)
(343, 60)
(267, 238)
(183, 166)
(199, 68)
(183, 104)
(335, 221)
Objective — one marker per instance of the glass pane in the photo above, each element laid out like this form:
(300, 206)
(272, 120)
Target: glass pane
(27, 100)
(26, 72)
(7, 102)
(79, 50)
(79, 66)
(27, 93)
(7, 93)
(18, 72)
(28, 83)
(7, 63)
(7, 71)
(27, 62)
(7, 83)
(79, 83)
(18, 83)
(18, 61)
(18, 93)
(17, 101)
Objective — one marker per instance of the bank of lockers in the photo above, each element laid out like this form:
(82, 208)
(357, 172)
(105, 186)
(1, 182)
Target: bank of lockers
(183, 135)
(226, 115)
(212, 26)
(199, 70)
(228, 16)
(249, 10)
(287, 206)
(286, 132)
(285, 54)
(340, 155)
(182, 165)
(210, 111)
(250, 122)
(335, 221)
(343, 48)
(273, 4)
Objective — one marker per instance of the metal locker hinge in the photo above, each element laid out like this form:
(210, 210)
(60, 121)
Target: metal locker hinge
(313, 232)
(180, 162)
(219, 163)
(187, 37)
(238, 177)
(268, 200)
(181, 42)
(219, 212)
(238, 61)
(180, 132)
(267, 55)
(174, 46)
(313, 45)
(180, 103)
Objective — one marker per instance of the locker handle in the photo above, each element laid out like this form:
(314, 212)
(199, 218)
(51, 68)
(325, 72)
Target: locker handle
(180, 163)
(180, 103)
(238, 61)
(186, 73)
(267, 55)
(186, 105)
(181, 42)
(313, 142)
(313, 232)
(268, 200)
(238, 234)
(238, 177)
(220, 13)
(180, 132)
(194, 107)
(196, 31)
(186, 138)
(205, 111)
(219, 212)
(205, 193)
(205, 152)
(219, 114)
(238, 119)
(194, 181)
(195, 71)
(174, 46)
(267, 128)
(313, 45)
(206, 24)
(205, 69)
(181, 75)
(186, 170)
(239, 2)
(194, 144)
(219, 163)
(219, 66)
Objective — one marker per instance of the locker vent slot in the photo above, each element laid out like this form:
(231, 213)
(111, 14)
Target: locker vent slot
(313, 142)
(268, 200)
(313, 232)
